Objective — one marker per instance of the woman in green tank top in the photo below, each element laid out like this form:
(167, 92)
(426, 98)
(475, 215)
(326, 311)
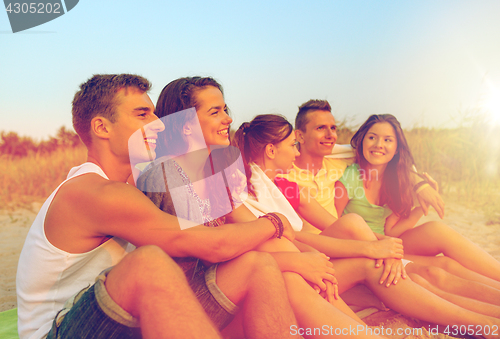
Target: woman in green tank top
(378, 188)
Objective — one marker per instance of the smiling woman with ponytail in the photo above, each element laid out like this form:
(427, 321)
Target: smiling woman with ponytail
(252, 139)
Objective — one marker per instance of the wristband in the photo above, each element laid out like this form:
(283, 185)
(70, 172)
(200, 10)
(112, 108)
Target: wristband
(277, 223)
(420, 186)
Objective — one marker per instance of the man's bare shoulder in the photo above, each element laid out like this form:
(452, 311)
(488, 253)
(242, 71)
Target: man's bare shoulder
(95, 194)
(90, 188)
(89, 208)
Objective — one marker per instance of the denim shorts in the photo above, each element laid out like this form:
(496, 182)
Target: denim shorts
(93, 314)
(218, 307)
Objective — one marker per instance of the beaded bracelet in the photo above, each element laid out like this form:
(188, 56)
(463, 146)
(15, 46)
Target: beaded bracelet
(276, 221)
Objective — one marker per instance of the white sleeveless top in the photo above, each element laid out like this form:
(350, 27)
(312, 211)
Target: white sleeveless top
(48, 276)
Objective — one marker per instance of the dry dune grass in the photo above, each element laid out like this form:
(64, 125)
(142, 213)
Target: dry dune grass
(32, 178)
(465, 161)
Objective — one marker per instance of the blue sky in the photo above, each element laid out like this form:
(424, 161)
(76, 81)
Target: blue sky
(422, 61)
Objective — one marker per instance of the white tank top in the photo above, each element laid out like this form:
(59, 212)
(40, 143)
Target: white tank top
(48, 276)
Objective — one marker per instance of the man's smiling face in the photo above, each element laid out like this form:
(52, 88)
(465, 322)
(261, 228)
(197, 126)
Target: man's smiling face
(320, 134)
(135, 130)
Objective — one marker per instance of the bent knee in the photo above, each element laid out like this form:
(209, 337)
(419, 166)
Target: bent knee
(435, 274)
(258, 268)
(438, 227)
(355, 226)
(255, 261)
(353, 217)
(446, 263)
(143, 269)
(147, 259)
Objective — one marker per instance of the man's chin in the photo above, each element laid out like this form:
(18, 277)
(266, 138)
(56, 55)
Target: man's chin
(326, 151)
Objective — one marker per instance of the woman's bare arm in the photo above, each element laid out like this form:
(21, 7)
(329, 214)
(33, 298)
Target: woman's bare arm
(394, 226)
(341, 199)
(314, 213)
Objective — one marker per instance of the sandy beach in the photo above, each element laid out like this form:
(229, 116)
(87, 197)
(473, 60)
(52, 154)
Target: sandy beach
(14, 226)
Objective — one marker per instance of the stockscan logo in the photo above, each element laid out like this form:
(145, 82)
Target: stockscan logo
(26, 15)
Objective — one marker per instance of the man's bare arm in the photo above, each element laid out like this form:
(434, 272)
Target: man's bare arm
(89, 208)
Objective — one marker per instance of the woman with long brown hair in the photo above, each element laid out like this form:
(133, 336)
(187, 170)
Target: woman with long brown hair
(377, 187)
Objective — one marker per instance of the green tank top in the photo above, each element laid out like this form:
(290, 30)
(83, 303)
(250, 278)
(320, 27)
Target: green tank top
(374, 215)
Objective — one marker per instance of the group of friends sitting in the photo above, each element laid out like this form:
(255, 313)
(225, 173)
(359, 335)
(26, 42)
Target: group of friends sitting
(175, 229)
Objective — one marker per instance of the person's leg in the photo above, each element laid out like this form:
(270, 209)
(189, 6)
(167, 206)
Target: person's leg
(234, 330)
(151, 287)
(448, 275)
(254, 282)
(453, 267)
(314, 312)
(465, 302)
(406, 296)
(434, 237)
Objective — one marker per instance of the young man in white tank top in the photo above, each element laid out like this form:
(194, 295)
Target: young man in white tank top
(90, 221)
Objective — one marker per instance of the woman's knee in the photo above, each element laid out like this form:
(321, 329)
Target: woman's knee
(438, 228)
(446, 263)
(355, 226)
(436, 275)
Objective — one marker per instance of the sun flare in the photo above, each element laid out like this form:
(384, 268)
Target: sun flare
(491, 103)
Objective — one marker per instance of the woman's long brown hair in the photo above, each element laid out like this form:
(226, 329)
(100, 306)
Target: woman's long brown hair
(396, 189)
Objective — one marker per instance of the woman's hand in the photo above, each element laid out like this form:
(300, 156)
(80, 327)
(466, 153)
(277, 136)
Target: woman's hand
(387, 247)
(431, 181)
(332, 292)
(316, 269)
(394, 270)
(429, 196)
